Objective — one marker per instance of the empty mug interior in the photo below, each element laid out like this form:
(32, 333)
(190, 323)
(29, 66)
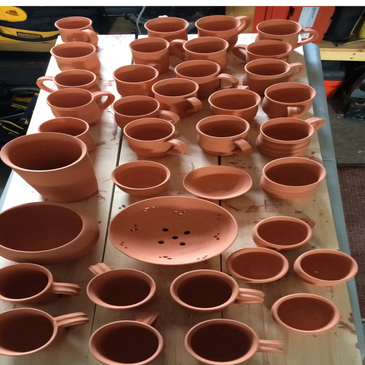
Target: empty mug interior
(198, 70)
(149, 46)
(287, 131)
(178, 88)
(68, 50)
(66, 99)
(279, 29)
(149, 132)
(269, 69)
(218, 24)
(290, 94)
(73, 23)
(136, 107)
(74, 80)
(135, 74)
(59, 126)
(234, 102)
(276, 49)
(210, 46)
(223, 128)
(166, 25)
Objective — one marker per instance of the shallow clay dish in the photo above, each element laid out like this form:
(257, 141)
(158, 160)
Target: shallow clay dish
(217, 182)
(173, 230)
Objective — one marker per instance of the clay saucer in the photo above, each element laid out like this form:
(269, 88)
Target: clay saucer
(173, 230)
(217, 182)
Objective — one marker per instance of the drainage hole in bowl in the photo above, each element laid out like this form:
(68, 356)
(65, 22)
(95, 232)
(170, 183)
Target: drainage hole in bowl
(161, 242)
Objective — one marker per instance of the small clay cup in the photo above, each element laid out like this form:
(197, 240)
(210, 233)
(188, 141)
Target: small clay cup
(291, 177)
(257, 265)
(120, 288)
(31, 284)
(210, 291)
(25, 331)
(325, 267)
(134, 107)
(141, 177)
(133, 342)
(223, 135)
(226, 341)
(305, 313)
(167, 27)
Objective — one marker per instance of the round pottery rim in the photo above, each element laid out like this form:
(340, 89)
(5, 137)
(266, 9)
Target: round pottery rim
(225, 169)
(73, 119)
(140, 98)
(202, 21)
(73, 45)
(147, 40)
(269, 41)
(275, 21)
(207, 38)
(166, 20)
(263, 61)
(67, 91)
(287, 83)
(198, 62)
(134, 66)
(72, 18)
(76, 71)
(236, 91)
(174, 81)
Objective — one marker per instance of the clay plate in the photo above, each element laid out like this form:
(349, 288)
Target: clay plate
(173, 230)
(217, 182)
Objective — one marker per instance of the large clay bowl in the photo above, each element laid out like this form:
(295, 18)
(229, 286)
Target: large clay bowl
(46, 233)
(173, 230)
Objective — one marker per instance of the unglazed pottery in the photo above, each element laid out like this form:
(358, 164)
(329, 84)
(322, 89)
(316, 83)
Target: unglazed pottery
(285, 30)
(207, 75)
(56, 165)
(82, 79)
(133, 342)
(257, 265)
(226, 341)
(153, 137)
(325, 267)
(202, 48)
(286, 136)
(167, 27)
(263, 49)
(240, 102)
(173, 230)
(77, 28)
(223, 135)
(223, 26)
(79, 103)
(72, 126)
(134, 107)
(50, 233)
(305, 313)
(31, 284)
(135, 79)
(25, 331)
(287, 99)
(217, 182)
(208, 291)
(178, 95)
(141, 177)
(262, 73)
(282, 233)
(291, 177)
(152, 51)
(120, 288)
(76, 55)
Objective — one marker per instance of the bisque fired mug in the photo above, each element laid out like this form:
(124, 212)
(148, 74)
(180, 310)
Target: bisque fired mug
(262, 73)
(77, 28)
(25, 331)
(288, 99)
(79, 103)
(178, 95)
(32, 284)
(134, 107)
(207, 75)
(267, 49)
(325, 267)
(75, 127)
(285, 30)
(305, 313)
(133, 342)
(257, 265)
(153, 137)
(223, 26)
(226, 341)
(82, 79)
(208, 291)
(285, 137)
(76, 55)
(223, 135)
(120, 288)
(135, 79)
(151, 51)
(167, 27)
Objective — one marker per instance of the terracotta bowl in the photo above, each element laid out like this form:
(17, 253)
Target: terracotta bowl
(46, 233)
(173, 230)
(141, 178)
(217, 182)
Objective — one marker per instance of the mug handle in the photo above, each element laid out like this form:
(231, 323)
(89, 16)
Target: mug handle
(271, 346)
(244, 147)
(239, 50)
(297, 68)
(71, 320)
(109, 100)
(176, 48)
(245, 23)
(312, 38)
(65, 289)
(147, 317)
(249, 296)
(196, 106)
(40, 83)
(171, 117)
(232, 80)
(296, 111)
(99, 268)
(91, 36)
(178, 147)
(316, 122)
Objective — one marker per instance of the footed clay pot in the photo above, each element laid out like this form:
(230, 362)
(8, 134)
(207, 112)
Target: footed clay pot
(282, 233)
(325, 267)
(305, 313)
(57, 165)
(141, 177)
(167, 27)
(50, 233)
(291, 177)
(257, 265)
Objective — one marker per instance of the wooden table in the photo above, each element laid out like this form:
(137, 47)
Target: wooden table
(337, 347)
